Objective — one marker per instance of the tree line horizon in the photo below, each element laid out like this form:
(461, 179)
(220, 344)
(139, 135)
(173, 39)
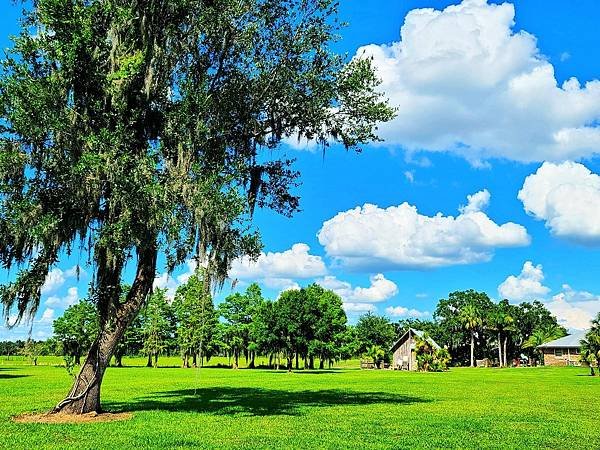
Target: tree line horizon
(304, 325)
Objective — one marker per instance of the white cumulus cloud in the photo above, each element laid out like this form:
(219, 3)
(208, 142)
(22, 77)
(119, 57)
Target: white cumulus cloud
(275, 270)
(400, 238)
(57, 277)
(361, 299)
(351, 308)
(464, 80)
(296, 262)
(282, 284)
(379, 290)
(70, 299)
(567, 197)
(401, 311)
(525, 286)
(574, 309)
(47, 316)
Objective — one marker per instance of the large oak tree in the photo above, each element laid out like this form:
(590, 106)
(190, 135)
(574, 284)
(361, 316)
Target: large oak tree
(131, 128)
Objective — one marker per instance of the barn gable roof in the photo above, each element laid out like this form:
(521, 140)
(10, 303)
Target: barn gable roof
(570, 341)
(418, 333)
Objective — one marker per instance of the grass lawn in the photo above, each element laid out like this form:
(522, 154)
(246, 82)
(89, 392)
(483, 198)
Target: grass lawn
(341, 408)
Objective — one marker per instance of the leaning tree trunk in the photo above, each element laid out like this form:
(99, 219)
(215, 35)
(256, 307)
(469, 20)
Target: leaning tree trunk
(84, 396)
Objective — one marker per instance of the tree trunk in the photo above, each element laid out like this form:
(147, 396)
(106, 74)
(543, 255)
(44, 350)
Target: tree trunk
(186, 362)
(500, 350)
(236, 359)
(78, 359)
(472, 349)
(311, 362)
(119, 360)
(297, 364)
(155, 360)
(149, 363)
(194, 360)
(251, 365)
(289, 362)
(115, 317)
(321, 363)
(505, 355)
(84, 396)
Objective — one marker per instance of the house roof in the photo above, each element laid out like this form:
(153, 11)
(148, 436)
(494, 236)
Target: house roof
(419, 333)
(570, 341)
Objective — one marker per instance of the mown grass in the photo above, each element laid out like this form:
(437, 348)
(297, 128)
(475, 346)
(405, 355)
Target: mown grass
(340, 408)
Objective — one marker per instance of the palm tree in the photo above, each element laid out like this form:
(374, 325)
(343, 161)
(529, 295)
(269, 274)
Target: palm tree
(495, 324)
(587, 357)
(542, 335)
(591, 344)
(470, 319)
(375, 352)
(508, 324)
(503, 323)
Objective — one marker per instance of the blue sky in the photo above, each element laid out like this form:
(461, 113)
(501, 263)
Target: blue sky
(487, 97)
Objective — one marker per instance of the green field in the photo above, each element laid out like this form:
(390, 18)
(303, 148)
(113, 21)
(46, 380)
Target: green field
(210, 407)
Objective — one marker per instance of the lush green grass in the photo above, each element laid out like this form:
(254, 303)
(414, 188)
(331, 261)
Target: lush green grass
(174, 407)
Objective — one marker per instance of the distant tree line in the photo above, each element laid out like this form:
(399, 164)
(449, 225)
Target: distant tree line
(305, 325)
(303, 328)
(471, 326)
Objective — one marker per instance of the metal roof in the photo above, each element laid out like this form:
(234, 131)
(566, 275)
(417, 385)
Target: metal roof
(571, 341)
(418, 333)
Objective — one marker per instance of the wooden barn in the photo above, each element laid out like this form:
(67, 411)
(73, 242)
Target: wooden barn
(403, 350)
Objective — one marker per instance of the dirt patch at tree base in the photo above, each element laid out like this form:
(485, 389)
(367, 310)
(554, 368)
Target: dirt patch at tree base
(60, 418)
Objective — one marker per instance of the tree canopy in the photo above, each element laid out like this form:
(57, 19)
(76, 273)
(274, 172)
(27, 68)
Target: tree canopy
(130, 128)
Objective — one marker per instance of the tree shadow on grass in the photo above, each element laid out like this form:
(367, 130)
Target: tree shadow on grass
(4, 376)
(317, 372)
(256, 401)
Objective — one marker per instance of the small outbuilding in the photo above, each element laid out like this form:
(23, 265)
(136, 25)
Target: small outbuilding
(564, 351)
(403, 350)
